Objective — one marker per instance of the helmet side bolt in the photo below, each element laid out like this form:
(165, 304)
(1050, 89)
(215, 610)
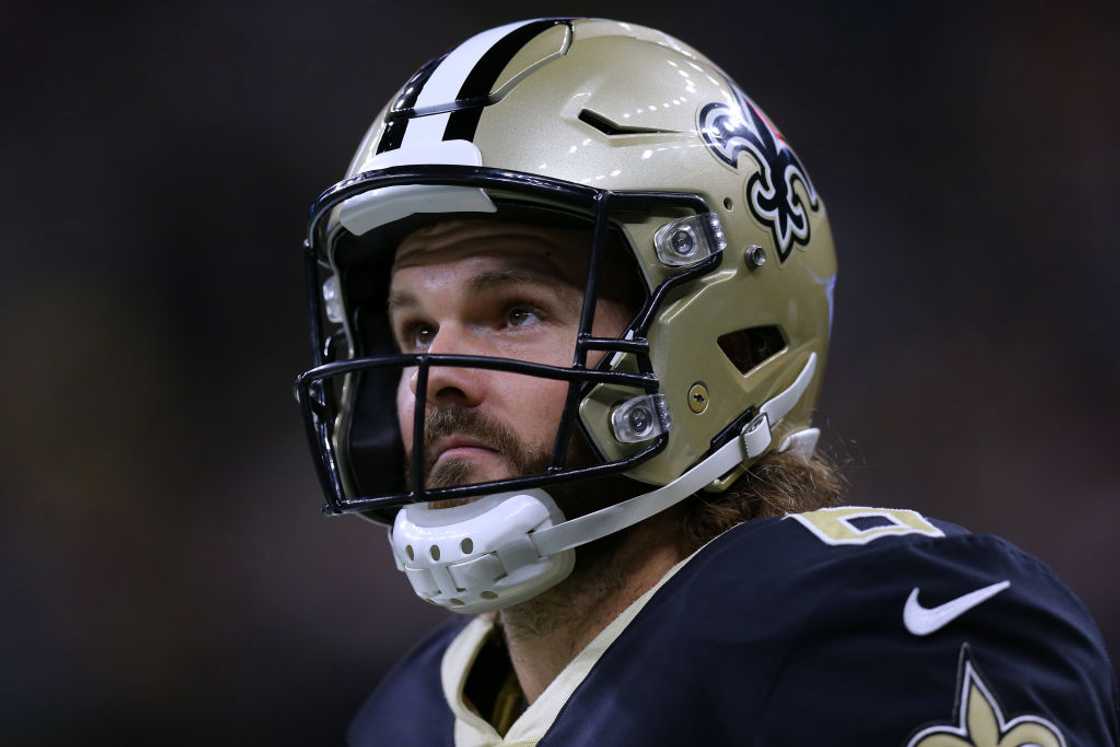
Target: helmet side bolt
(683, 243)
(755, 256)
(640, 419)
(698, 398)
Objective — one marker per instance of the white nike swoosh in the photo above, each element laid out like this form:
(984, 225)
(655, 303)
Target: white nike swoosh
(922, 621)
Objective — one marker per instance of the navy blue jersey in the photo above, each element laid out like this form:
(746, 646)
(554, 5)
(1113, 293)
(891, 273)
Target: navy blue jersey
(852, 627)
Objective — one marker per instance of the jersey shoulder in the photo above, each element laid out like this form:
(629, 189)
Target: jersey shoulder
(891, 627)
(862, 558)
(408, 705)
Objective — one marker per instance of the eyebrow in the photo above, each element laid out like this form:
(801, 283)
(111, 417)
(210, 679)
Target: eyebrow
(481, 283)
(486, 281)
(401, 300)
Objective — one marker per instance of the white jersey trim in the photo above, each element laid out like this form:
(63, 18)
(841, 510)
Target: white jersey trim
(471, 730)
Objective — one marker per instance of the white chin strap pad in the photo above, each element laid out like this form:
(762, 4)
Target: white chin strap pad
(479, 556)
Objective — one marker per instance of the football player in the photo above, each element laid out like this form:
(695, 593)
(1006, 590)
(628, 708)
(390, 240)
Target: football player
(570, 310)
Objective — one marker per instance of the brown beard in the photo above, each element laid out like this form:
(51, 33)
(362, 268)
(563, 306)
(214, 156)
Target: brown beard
(461, 421)
(523, 459)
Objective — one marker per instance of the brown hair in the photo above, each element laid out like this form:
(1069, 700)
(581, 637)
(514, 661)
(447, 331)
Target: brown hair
(780, 483)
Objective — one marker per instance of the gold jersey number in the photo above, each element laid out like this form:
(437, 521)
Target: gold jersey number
(858, 525)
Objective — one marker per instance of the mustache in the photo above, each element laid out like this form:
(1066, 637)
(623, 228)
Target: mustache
(494, 434)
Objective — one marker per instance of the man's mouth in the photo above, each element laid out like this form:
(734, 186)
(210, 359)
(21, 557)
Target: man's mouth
(455, 447)
(459, 447)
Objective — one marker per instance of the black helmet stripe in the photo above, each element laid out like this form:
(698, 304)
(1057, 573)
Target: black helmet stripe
(463, 123)
(397, 119)
(468, 71)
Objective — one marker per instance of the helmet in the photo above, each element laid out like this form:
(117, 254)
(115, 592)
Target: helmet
(646, 144)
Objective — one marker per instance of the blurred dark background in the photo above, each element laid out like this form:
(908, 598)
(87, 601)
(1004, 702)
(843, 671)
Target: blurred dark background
(164, 571)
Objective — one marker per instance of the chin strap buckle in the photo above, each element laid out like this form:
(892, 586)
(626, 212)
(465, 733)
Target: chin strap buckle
(757, 435)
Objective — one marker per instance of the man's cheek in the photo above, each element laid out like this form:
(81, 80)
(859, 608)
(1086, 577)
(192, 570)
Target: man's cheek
(406, 404)
(541, 410)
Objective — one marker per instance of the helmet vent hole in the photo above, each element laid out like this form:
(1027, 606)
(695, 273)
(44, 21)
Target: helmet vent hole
(614, 129)
(434, 552)
(749, 348)
(488, 595)
(727, 203)
(410, 552)
(455, 602)
(467, 546)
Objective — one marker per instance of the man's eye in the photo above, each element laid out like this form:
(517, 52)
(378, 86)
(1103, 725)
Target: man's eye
(522, 316)
(417, 337)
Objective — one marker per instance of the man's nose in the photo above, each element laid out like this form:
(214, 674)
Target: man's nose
(452, 385)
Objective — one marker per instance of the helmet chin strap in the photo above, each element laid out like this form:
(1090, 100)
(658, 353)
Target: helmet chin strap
(506, 548)
(753, 442)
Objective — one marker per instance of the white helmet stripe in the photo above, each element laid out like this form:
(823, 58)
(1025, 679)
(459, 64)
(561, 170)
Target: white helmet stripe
(444, 85)
(474, 64)
(425, 130)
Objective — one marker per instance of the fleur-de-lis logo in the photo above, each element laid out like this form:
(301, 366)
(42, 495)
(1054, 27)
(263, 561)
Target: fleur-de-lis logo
(980, 721)
(731, 130)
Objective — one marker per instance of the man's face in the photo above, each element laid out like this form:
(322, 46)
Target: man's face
(507, 290)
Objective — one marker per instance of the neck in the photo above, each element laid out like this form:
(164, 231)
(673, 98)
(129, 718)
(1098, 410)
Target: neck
(544, 634)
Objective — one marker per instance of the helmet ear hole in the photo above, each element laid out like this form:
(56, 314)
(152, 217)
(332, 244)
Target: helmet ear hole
(750, 347)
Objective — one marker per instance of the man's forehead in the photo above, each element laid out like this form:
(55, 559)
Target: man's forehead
(480, 256)
(505, 241)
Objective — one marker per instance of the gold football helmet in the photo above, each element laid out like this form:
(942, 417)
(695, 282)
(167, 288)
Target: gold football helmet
(644, 142)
